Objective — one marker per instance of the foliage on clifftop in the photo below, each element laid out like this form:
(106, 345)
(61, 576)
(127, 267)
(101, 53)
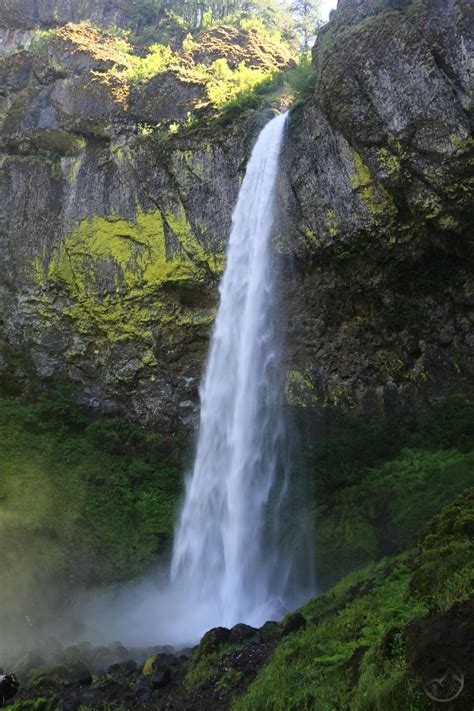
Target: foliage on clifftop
(224, 64)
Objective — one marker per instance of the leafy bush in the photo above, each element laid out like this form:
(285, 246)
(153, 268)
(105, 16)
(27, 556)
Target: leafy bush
(225, 84)
(160, 58)
(40, 37)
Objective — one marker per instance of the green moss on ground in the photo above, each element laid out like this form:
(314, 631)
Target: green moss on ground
(354, 653)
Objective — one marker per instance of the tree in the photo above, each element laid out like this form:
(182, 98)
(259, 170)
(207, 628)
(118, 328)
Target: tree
(307, 19)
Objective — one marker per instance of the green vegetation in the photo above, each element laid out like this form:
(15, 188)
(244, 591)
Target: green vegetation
(379, 479)
(90, 501)
(226, 84)
(52, 705)
(82, 502)
(40, 38)
(357, 649)
(291, 87)
(229, 88)
(174, 19)
(160, 58)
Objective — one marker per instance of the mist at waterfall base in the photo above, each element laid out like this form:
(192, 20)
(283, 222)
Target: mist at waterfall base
(240, 554)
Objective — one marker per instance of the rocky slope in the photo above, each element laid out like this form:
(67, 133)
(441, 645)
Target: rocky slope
(112, 240)
(378, 640)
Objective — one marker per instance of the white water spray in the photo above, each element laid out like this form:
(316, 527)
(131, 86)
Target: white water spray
(222, 559)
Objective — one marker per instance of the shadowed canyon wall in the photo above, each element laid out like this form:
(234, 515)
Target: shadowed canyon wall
(112, 238)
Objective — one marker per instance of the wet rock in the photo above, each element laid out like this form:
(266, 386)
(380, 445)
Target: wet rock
(158, 670)
(67, 676)
(269, 632)
(144, 691)
(8, 686)
(104, 657)
(293, 623)
(161, 676)
(123, 668)
(212, 641)
(78, 675)
(108, 688)
(241, 633)
(375, 212)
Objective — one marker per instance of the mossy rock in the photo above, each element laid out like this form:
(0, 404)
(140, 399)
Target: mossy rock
(212, 642)
(445, 566)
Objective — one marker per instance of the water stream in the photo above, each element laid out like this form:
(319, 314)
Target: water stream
(226, 559)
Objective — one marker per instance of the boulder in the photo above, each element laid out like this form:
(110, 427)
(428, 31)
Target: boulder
(158, 669)
(293, 623)
(8, 686)
(240, 634)
(212, 641)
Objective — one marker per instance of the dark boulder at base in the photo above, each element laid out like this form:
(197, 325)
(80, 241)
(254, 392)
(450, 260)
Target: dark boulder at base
(241, 633)
(158, 669)
(212, 641)
(293, 623)
(8, 687)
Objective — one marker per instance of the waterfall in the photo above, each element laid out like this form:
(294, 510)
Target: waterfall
(224, 561)
(230, 561)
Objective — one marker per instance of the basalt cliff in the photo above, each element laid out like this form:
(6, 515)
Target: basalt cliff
(113, 236)
(124, 140)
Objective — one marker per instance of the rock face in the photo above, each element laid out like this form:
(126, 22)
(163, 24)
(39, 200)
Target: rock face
(379, 195)
(112, 239)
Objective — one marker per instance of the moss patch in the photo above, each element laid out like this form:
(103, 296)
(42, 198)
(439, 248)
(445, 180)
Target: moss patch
(109, 266)
(378, 480)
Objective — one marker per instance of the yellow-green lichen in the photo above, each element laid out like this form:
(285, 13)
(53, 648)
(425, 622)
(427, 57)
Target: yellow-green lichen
(191, 248)
(299, 390)
(332, 222)
(113, 271)
(338, 396)
(375, 197)
(72, 167)
(312, 237)
(388, 161)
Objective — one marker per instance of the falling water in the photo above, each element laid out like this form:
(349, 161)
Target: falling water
(230, 560)
(224, 559)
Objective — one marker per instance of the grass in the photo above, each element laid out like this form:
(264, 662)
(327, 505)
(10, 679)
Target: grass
(312, 669)
(353, 652)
